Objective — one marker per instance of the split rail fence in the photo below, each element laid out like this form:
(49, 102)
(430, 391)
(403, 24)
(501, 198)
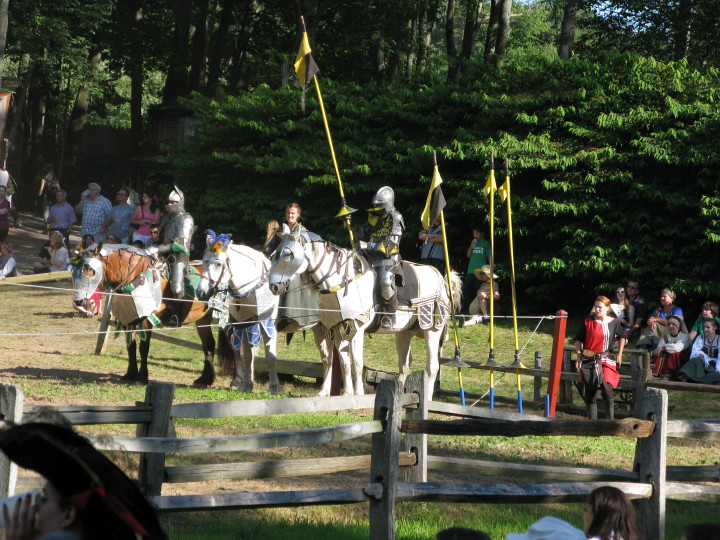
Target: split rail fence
(397, 442)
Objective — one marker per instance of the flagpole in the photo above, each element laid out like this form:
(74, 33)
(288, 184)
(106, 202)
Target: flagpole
(491, 354)
(516, 362)
(344, 210)
(456, 361)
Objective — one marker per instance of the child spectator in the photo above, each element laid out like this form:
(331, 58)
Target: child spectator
(482, 299)
(58, 257)
(479, 255)
(609, 515)
(672, 349)
(709, 311)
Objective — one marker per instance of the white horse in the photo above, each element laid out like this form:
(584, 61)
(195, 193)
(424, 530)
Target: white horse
(237, 277)
(347, 308)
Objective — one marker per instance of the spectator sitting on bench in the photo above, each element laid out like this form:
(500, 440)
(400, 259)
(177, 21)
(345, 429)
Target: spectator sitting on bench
(704, 366)
(672, 349)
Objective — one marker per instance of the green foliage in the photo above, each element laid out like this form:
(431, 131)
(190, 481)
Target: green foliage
(613, 164)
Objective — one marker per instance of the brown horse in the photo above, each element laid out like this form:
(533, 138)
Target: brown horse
(126, 269)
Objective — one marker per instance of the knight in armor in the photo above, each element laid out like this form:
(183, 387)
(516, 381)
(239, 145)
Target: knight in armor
(383, 249)
(177, 228)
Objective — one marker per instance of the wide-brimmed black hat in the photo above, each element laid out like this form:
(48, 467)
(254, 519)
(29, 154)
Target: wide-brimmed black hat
(88, 479)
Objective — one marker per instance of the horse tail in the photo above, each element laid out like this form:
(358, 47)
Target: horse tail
(224, 354)
(456, 283)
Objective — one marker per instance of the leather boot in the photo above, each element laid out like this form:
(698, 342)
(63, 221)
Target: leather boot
(592, 411)
(610, 409)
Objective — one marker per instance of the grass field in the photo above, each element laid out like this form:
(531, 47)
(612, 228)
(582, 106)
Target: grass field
(54, 365)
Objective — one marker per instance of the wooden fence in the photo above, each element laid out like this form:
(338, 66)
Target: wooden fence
(397, 443)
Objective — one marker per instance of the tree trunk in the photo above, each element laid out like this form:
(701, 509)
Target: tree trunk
(137, 72)
(503, 32)
(450, 45)
(473, 9)
(682, 29)
(239, 59)
(411, 51)
(492, 31)
(567, 31)
(220, 47)
(176, 82)
(428, 15)
(4, 4)
(198, 60)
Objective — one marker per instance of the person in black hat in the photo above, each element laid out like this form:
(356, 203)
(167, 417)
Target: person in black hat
(87, 495)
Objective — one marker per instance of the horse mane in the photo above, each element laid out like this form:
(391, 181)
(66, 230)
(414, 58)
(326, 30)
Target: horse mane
(121, 259)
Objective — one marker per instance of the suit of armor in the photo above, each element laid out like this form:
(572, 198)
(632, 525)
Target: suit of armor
(383, 249)
(177, 228)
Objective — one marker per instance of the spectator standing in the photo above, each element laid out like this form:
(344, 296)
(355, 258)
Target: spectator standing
(61, 216)
(479, 255)
(4, 214)
(8, 263)
(639, 306)
(118, 222)
(49, 184)
(432, 251)
(598, 369)
(94, 209)
(709, 311)
(622, 309)
(609, 515)
(145, 216)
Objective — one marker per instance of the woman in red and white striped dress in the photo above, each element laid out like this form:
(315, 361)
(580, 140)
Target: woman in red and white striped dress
(598, 368)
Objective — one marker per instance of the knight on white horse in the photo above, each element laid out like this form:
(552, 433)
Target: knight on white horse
(346, 283)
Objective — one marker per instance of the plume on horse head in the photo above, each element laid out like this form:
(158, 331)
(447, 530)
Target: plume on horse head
(217, 242)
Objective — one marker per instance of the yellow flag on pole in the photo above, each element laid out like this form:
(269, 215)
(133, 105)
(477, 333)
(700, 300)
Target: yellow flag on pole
(435, 201)
(490, 184)
(305, 66)
(504, 189)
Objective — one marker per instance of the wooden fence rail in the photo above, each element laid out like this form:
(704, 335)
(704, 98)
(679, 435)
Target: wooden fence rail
(397, 443)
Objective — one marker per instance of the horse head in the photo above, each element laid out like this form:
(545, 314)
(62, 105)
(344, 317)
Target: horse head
(288, 260)
(215, 263)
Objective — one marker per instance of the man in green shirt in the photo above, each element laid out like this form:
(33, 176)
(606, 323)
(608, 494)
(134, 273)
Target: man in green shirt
(479, 255)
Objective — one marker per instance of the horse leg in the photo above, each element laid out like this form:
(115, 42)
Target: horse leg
(271, 358)
(356, 348)
(402, 346)
(132, 370)
(207, 377)
(326, 357)
(342, 346)
(432, 342)
(238, 380)
(143, 375)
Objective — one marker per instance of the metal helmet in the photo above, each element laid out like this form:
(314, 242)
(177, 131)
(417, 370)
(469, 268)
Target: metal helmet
(178, 199)
(385, 198)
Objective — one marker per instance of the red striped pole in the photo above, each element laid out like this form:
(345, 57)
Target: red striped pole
(558, 348)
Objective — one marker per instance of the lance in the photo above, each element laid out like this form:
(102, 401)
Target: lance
(456, 361)
(517, 364)
(345, 210)
(490, 188)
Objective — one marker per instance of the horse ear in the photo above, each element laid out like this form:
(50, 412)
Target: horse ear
(97, 250)
(209, 237)
(296, 234)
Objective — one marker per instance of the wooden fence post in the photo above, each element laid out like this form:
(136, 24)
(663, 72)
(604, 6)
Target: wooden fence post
(537, 380)
(650, 462)
(558, 347)
(566, 387)
(151, 471)
(641, 377)
(101, 343)
(384, 459)
(417, 442)
(11, 407)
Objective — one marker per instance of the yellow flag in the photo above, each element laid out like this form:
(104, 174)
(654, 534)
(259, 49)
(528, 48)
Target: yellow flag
(305, 66)
(490, 184)
(504, 190)
(435, 201)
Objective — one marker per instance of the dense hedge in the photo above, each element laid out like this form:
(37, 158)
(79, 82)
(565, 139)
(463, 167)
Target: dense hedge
(614, 168)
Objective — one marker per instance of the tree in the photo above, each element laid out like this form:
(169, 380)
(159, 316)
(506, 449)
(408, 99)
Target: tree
(567, 30)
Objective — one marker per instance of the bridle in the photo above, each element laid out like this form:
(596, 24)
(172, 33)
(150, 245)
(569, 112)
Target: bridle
(143, 262)
(226, 270)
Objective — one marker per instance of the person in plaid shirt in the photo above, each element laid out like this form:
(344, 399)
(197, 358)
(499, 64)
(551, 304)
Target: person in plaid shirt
(94, 209)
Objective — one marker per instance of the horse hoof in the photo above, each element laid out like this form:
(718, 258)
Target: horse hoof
(323, 393)
(143, 377)
(203, 382)
(129, 377)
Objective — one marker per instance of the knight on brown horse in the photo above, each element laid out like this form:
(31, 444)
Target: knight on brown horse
(140, 302)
